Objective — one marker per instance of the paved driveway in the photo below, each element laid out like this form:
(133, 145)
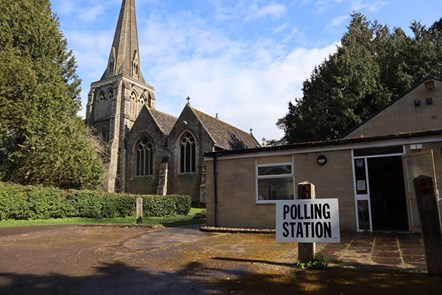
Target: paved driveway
(141, 260)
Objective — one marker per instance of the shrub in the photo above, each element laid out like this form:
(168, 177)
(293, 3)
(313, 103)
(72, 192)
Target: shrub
(45, 202)
(13, 202)
(161, 206)
(36, 202)
(85, 203)
(318, 261)
(117, 205)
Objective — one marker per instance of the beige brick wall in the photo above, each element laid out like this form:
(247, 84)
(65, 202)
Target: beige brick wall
(332, 180)
(404, 116)
(412, 210)
(236, 182)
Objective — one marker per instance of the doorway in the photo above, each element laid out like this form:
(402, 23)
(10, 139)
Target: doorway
(387, 193)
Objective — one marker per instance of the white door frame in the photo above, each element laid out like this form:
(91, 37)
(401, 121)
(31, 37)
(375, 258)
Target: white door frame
(366, 196)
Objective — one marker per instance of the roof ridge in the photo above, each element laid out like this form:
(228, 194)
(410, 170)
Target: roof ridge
(152, 112)
(163, 113)
(221, 121)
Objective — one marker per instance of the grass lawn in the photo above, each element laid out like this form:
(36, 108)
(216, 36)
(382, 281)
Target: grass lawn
(165, 221)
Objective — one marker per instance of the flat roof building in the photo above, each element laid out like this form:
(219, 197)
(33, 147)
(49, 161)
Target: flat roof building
(370, 171)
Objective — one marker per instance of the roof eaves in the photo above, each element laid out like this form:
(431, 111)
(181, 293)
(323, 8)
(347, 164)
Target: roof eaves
(327, 143)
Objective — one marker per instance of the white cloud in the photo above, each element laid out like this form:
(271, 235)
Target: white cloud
(247, 84)
(371, 6)
(272, 9)
(338, 21)
(89, 14)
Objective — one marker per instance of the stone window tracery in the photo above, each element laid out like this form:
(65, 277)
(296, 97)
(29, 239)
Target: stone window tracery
(133, 103)
(110, 97)
(100, 106)
(187, 153)
(144, 157)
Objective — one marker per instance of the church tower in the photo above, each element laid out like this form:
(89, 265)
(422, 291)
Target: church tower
(115, 101)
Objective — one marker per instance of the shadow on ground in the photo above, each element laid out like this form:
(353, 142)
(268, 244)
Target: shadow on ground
(119, 278)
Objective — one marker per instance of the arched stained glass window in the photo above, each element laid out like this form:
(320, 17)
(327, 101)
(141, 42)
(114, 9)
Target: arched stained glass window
(144, 157)
(187, 153)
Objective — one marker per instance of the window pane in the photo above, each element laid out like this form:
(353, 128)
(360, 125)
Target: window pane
(275, 170)
(182, 158)
(150, 171)
(363, 215)
(379, 151)
(275, 189)
(138, 163)
(193, 157)
(142, 162)
(361, 178)
(188, 160)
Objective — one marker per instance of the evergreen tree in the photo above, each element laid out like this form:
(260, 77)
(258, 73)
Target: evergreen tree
(42, 140)
(371, 66)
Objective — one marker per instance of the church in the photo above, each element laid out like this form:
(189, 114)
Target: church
(149, 151)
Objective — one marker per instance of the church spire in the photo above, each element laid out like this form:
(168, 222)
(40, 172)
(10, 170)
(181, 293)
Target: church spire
(124, 58)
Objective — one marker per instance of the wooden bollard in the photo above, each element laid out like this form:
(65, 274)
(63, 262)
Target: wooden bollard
(430, 223)
(306, 251)
(139, 210)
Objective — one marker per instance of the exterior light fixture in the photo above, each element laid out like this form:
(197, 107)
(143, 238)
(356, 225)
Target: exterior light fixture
(321, 160)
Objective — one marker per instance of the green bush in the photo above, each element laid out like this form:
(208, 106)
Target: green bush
(318, 261)
(161, 206)
(117, 205)
(35, 202)
(13, 202)
(45, 202)
(85, 203)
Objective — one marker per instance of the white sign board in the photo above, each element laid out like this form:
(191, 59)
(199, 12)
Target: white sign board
(308, 221)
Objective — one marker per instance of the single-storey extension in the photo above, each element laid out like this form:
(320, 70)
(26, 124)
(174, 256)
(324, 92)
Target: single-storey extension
(370, 171)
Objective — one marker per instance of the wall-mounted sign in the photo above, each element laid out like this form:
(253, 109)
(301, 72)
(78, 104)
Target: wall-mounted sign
(308, 221)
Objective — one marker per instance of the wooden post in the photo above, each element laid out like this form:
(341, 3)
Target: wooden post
(430, 223)
(139, 210)
(306, 251)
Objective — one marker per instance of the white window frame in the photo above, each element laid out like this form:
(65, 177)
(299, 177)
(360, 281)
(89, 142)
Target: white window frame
(258, 177)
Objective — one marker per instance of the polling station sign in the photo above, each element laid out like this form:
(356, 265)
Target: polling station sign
(308, 221)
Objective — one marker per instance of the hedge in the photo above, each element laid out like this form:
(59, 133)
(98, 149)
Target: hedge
(36, 202)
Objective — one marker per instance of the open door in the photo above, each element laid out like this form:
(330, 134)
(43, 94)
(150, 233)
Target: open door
(387, 194)
(417, 164)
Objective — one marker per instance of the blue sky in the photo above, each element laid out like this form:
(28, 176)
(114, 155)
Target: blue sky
(242, 59)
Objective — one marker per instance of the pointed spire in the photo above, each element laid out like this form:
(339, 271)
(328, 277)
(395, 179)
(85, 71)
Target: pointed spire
(124, 58)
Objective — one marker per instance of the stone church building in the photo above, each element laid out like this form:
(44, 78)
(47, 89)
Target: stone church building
(149, 151)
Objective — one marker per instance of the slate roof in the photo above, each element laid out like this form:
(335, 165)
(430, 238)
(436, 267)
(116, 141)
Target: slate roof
(328, 144)
(225, 136)
(164, 121)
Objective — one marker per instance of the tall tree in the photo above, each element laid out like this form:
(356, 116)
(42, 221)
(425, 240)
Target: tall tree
(371, 66)
(42, 140)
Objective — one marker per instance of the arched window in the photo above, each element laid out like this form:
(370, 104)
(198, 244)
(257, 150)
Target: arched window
(187, 153)
(133, 103)
(110, 97)
(102, 96)
(144, 157)
(111, 94)
(135, 66)
(100, 106)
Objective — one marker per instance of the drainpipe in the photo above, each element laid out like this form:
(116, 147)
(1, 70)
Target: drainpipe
(215, 189)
